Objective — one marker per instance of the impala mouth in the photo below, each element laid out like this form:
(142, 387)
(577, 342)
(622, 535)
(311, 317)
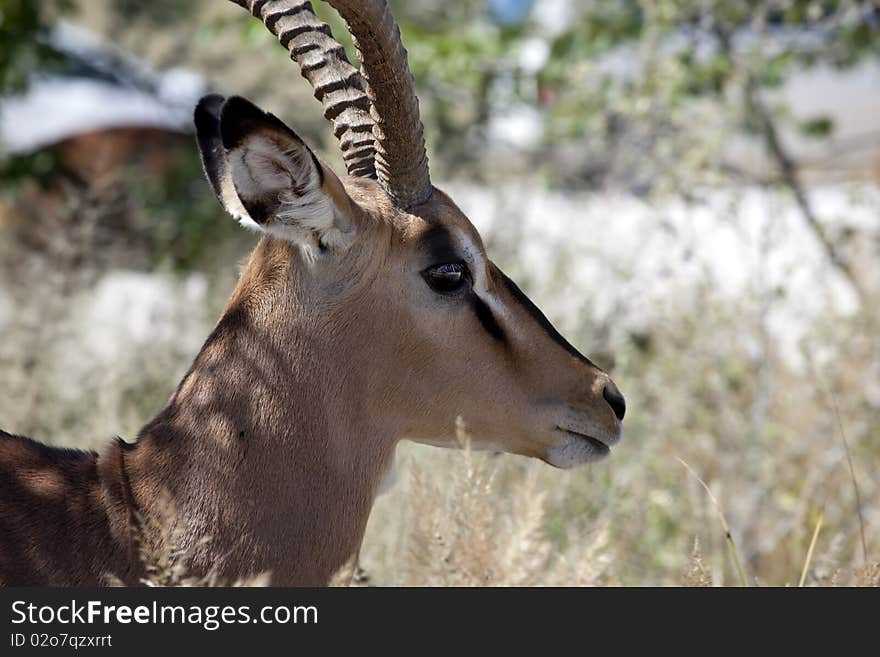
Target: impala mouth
(601, 447)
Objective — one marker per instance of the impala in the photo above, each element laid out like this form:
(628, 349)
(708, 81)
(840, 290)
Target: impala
(369, 312)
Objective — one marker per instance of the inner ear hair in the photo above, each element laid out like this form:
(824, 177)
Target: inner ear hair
(278, 178)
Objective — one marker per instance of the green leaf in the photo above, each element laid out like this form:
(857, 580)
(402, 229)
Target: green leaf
(818, 127)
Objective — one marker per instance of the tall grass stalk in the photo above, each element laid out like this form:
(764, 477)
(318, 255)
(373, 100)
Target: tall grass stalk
(809, 558)
(852, 474)
(743, 580)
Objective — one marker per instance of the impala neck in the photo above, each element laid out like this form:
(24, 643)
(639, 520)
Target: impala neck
(261, 460)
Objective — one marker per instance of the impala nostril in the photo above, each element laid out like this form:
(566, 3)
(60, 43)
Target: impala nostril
(615, 400)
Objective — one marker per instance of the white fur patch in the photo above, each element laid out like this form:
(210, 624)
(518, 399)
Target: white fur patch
(390, 477)
(476, 260)
(232, 204)
(245, 220)
(481, 283)
(573, 453)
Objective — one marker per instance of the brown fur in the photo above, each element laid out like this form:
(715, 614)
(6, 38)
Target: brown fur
(62, 518)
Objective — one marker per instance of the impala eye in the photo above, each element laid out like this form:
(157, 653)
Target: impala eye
(446, 278)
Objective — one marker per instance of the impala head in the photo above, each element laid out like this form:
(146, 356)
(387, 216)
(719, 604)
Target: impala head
(397, 274)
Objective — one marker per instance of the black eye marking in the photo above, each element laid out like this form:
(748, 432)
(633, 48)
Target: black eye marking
(487, 319)
(437, 243)
(535, 312)
(448, 273)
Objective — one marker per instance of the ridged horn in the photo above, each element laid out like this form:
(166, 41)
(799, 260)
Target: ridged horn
(338, 85)
(401, 162)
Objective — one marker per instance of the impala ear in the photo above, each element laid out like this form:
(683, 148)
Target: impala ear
(265, 176)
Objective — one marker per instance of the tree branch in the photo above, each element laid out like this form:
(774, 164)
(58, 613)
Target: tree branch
(788, 169)
(790, 177)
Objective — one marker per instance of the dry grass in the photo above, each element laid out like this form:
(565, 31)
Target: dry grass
(454, 535)
(165, 550)
(696, 574)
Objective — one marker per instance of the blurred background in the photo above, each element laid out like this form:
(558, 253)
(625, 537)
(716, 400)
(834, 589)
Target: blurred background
(688, 188)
